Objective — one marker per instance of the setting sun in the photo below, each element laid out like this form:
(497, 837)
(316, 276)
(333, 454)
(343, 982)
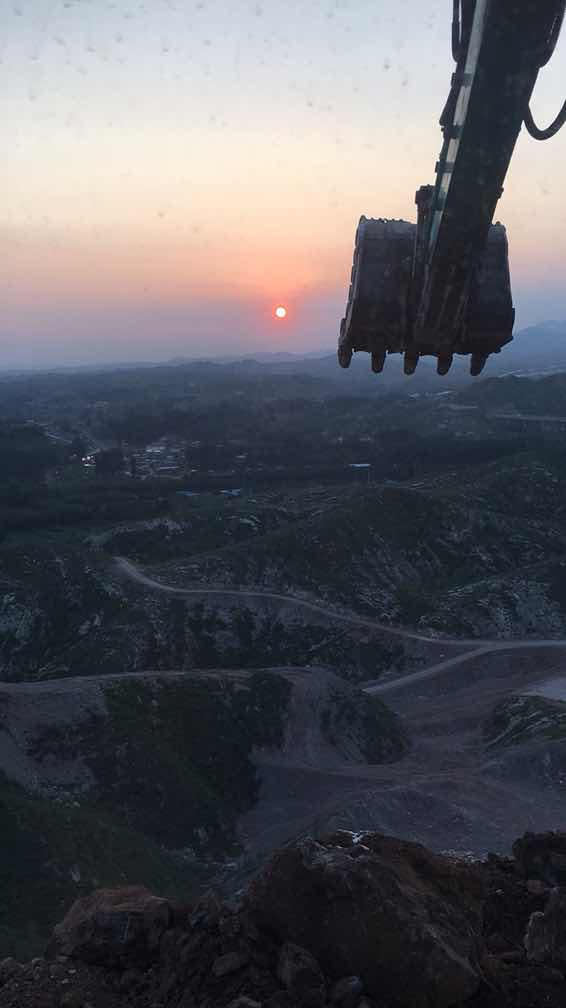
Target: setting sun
(280, 312)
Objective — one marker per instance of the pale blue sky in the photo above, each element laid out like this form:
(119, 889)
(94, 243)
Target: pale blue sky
(174, 169)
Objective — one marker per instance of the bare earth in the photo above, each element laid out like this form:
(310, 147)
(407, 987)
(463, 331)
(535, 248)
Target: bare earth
(449, 792)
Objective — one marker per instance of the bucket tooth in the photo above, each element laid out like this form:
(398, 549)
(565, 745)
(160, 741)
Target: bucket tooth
(444, 363)
(477, 364)
(344, 356)
(377, 361)
(410, 362)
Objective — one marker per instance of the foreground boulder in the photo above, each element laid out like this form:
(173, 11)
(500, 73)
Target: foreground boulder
(351, 922)
(300, 974)
(113, 926)
(404, 920)
(542, 856)
(545, 940)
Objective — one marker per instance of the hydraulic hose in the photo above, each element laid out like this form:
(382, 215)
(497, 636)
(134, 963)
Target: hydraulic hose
(557, 124)
(550, 131)
(456, 39)
(462, 17)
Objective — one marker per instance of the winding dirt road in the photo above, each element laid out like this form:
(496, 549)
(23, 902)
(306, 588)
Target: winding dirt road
(478, 647)
(487, 649)
(135, 574)
(450, 790)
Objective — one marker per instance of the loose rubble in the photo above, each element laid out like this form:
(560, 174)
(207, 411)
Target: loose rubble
(353, 921)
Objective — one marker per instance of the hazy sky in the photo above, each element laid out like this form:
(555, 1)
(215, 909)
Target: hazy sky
(174, 169)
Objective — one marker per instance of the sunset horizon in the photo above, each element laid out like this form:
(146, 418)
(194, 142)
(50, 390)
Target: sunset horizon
(173, 173)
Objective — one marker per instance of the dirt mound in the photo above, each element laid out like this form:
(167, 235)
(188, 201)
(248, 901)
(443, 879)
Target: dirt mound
(330, 723)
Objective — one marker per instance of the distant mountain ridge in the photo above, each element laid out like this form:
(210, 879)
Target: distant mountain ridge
(539, 348)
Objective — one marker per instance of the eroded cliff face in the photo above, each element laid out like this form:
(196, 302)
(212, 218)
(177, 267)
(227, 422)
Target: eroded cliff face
(351, 921)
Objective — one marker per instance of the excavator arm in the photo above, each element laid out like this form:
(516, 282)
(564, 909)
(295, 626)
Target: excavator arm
(441, 286)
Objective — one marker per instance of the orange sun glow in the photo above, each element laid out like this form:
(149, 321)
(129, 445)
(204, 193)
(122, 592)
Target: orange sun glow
(280, 312)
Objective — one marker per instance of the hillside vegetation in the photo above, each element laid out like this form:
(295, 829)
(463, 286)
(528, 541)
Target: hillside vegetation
(430, 554)
(477, 555)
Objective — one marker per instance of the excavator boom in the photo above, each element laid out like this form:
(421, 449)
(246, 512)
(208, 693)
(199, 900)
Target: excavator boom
(441, 286)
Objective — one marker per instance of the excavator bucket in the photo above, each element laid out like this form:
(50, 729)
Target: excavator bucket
(490, 315)
(383, 293)
(377, 313)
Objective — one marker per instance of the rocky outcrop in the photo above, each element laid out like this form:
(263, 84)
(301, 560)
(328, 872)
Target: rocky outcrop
(356, 921)
(542, 856)
(301, 975)
(406, 921)
(113, 926)
(545, 940)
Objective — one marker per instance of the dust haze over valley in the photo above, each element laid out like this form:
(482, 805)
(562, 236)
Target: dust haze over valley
(245, 602)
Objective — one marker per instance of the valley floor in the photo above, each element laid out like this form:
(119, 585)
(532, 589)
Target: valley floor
(452, 790)
(448, 792)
